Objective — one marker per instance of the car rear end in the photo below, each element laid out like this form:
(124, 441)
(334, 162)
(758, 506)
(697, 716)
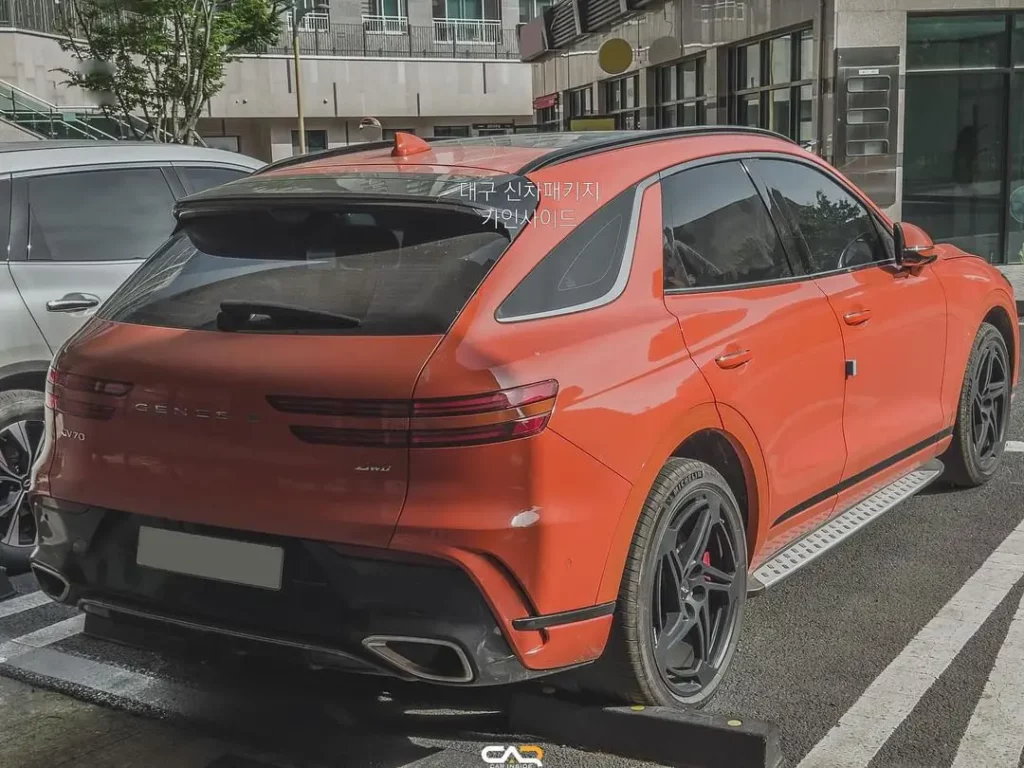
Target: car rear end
(229, 440)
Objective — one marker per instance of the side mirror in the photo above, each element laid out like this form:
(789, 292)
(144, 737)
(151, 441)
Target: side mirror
(912, 246)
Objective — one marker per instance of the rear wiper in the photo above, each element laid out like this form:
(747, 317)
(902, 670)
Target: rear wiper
(237, 315)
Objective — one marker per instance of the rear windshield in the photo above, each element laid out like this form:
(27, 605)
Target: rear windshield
(392, 270)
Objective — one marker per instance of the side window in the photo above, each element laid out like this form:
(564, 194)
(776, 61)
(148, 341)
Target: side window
(581, 269)
(196, 178)
(99, 215)
(836, 228)
(717, 230)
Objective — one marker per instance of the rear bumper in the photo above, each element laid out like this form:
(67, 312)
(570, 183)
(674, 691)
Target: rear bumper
(366, 611)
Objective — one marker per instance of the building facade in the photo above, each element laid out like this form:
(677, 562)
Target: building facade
(920, 102)
(431, 67)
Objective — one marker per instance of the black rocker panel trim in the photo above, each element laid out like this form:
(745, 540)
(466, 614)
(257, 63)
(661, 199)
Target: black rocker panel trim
(862, 476)
(565, 617)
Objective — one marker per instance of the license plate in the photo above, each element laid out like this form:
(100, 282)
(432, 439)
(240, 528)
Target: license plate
(207, 557)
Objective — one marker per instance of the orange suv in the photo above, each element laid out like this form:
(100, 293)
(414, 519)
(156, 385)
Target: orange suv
(474, 411)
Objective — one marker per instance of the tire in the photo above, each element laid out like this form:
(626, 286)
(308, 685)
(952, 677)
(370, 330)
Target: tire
(631, 668)
(21, 431)
(976, 452)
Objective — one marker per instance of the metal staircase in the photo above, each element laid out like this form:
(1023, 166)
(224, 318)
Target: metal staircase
(50, 121)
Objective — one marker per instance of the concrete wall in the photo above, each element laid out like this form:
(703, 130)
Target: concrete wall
(28, 61)
(351, 87)
(263, 87)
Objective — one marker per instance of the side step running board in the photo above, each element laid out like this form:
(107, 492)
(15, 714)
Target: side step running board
(808, 548)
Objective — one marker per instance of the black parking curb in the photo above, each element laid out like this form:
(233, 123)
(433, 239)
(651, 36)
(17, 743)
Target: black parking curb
(664, 736)
(6, 588)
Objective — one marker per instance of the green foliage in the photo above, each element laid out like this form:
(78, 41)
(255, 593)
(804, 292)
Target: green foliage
(162, 60)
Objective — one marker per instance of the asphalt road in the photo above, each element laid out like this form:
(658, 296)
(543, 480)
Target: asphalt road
(897, 648)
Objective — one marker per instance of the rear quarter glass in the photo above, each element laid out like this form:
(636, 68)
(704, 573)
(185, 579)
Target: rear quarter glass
(399, 266)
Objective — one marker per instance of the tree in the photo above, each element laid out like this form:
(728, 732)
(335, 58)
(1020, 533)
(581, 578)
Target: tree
(155, 64)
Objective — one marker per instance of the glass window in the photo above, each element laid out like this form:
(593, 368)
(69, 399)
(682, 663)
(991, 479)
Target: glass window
(807, 55)
(749, 67)
(693, 77)
(749, 112)
(316, 141)
(622, 98)
(580, 269)
(1015, 219)
(717, 230)
(836, 228)
(943, 42)
(778, 103)
(806, 114)
(667, 83)
(581, 102)
(780, 111)
(954, 158)
(680, 94)
(781, 60)
(197, 178)
(99, 215)
(451, 131)
(394, 270)
(1018, 39)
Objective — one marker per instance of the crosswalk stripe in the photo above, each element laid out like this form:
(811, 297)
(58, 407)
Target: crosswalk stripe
(995, 735)
(23, 603)
(1017, 446)
(48, 635)
(873, 718)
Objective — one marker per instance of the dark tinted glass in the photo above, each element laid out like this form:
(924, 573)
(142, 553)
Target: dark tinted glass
(836, 228)
(397, 270)
(5, 217)
(197, 178)
(940, 42)
(1018, 42)
(99, 215)
(955, 158)
(580, 269)
(717, 230)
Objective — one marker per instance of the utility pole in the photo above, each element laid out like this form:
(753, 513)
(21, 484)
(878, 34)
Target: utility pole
(297, 13)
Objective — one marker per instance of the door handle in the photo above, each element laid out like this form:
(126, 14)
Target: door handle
(73, 302)
(734, 359)
(859, 317)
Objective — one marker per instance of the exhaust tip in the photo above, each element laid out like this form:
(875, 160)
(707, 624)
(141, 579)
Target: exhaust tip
(51, 582)
(438, 661)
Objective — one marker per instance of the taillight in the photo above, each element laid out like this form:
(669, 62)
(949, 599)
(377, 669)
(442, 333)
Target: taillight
(64, 394)
(491, 417)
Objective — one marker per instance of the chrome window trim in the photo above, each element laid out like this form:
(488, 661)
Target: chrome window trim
(621, 280)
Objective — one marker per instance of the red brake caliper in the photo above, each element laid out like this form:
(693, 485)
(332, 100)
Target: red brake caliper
(707, 561)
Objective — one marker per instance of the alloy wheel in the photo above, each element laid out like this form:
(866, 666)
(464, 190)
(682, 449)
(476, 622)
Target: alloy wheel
(696, 596)
(989, 408)
(20, 443)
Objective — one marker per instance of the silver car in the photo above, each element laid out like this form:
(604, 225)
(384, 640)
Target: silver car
(76, 219)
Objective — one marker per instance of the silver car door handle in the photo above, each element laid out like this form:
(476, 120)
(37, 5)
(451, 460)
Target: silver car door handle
(73, 302)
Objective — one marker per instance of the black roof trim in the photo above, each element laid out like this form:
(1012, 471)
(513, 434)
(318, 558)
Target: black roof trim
(348, 149)
(584, 148)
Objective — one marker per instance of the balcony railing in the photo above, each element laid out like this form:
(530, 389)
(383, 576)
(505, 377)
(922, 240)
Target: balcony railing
(385, 25)
(375, 37)
(311, 22)
(470, 31)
